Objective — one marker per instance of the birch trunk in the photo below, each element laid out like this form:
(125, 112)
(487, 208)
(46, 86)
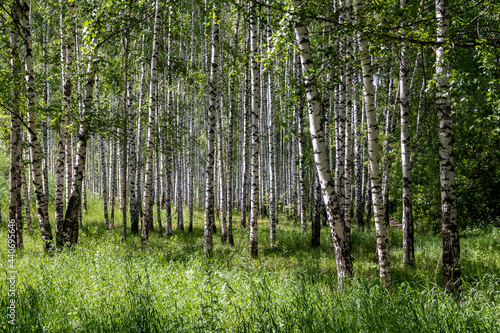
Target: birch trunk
(390, 122)
(168, 187)
(15, 199)
(27, 206)
(358, 166)
(191, 145)
(300, 138)
(112, 178)
(232, 109)
(212, 110)
(66, 64)
(374, 158)
(132, 163)
(244, 159)
(46, 101)
(69, 164)
(158, 187)
(222, 182)
(407, 220)
(451, 241)
(135, 156)
(178, 172)
(339, 230)
(104, 182)
(368, 202)
(254, 159)
(340, 145)
(148, 182)
(348, 114)
(271, 126)
(41, 199)
(126, 107)
(316, 220)
(74, 202)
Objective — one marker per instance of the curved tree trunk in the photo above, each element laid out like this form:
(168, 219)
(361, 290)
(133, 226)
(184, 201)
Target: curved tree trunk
(339, 230)
(74, 202)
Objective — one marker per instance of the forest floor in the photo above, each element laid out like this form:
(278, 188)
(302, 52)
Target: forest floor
(105, 285)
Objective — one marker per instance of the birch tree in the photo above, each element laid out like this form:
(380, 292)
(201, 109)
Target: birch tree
(451, 241)
(338, 228)
(374, 156)
(244, 158)
(299, 109)
(254, 157)
(232, 110)
(15, 201)
(407, 220)
(126, 110)
(209, 170)
(104, 182)
(41, 199)
(148, 182)
(67, 47)
(271, 126)
(74, 202)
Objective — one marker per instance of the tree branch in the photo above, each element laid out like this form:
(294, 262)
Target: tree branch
(19, 117)
(459, 42)
(116, 32)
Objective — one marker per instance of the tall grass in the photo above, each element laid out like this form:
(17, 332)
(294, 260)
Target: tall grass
(105, 285)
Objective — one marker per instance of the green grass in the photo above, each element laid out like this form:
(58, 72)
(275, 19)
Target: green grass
(104, 285)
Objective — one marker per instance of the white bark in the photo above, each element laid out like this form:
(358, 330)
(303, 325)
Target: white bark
(232, 109)
(15, 201)
(407, 220)
(254, 157)
(212, 110)
(339, 231)
(148, 182)
(271, 126)
(41, 199)
(451, 239)
(74, 202)
(374, 158)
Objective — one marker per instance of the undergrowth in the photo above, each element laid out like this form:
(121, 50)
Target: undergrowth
(106, 285)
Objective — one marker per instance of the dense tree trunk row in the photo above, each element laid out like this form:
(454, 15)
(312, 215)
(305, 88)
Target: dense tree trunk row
(224, 127)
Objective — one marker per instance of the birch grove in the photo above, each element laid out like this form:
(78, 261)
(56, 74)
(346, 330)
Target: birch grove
(195, 113)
